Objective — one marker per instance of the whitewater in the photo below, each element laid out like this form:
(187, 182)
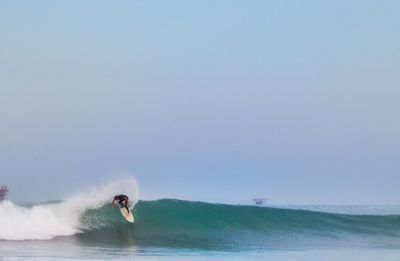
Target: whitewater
(48, 220)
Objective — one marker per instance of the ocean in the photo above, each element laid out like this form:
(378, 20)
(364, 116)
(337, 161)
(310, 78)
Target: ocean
(87, 228)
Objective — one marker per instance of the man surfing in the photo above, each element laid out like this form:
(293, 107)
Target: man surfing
(122, 201)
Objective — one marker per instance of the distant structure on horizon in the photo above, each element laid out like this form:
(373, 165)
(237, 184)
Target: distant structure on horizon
(260, 201)
(3, 192)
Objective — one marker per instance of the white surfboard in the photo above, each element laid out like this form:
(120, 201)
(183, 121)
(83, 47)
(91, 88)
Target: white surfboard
(127, 215)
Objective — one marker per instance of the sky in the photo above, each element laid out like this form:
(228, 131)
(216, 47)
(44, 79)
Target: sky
(219, 101)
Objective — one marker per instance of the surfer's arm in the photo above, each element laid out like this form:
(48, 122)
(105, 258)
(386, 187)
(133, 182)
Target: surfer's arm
(112, 204)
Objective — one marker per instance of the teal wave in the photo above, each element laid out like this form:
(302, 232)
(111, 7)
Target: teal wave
(177, 223)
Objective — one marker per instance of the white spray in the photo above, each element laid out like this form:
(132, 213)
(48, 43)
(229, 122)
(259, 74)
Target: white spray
(46, 221)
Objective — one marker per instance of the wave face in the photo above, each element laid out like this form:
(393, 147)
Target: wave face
(176, 223)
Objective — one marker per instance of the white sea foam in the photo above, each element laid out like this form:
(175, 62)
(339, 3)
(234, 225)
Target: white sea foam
(45, 221)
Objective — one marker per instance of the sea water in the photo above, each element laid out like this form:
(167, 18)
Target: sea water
(85, 227)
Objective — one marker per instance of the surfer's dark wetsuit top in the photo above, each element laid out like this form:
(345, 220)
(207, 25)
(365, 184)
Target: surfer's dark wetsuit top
(122, 201)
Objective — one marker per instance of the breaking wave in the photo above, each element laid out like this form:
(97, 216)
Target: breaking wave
(46, 221)
(89, 219)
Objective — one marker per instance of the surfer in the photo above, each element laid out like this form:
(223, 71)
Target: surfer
(122, 201)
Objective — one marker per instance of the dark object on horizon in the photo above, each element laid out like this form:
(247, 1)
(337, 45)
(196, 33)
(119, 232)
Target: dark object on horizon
(3, 192)
(260, 201)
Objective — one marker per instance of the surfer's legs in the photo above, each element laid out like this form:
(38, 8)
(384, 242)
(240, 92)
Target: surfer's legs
(123, 203)
(126, 205)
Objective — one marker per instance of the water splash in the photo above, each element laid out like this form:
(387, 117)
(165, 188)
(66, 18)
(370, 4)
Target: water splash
(46, 221)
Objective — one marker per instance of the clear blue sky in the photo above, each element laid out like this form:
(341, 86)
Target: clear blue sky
(207, 100)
